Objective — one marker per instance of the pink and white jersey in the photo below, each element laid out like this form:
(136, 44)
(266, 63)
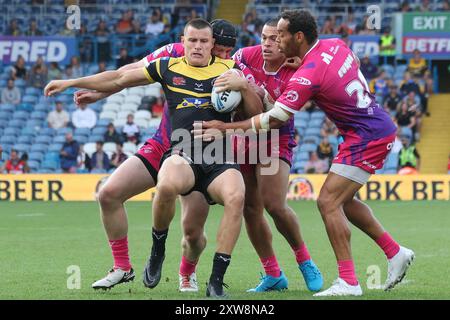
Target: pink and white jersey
(330, 76)
(251, 62)
(173, 50)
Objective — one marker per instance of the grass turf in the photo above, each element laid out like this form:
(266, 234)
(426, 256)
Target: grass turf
(40, 240)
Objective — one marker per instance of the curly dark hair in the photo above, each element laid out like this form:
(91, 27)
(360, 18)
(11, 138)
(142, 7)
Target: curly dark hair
(301, 20)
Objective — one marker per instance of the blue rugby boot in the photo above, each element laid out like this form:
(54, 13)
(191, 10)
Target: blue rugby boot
(269, 283)
(311, 274)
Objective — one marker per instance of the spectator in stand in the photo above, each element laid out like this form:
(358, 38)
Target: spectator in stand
(349, 26)
(329, 128)
(426, 86)
(387, 47)
(84, 117)
(125, 25)
(413, 101)
(368, 69)
(77, 69)
(424, 6)
(101, 35)
(155, 26)
(365, 29)
(408, 84)
(33, 30)
(404, 7)
(445, 6)
(54, 72)
(68, 74)
(408, 158)
(19, 69)
(101, 67)
(158, 108)
(327, 27)
(11, 94)
(83, 161)
(119, 156)
(130, 130)
(315, 165)
(124, 58)
(137, 34)
(100, 160)
(391, 101)
(15, 165)
(13, 29)
(38, 74)
(379, 86)
(325, 151)
(111, 134)
(405, 117)
(69, 154)
(417, 64)
(58, 118)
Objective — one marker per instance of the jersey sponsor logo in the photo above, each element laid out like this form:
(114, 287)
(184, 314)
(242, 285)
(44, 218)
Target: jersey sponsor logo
(302, 81)
(198, 103)
(199, 87)
(238, 55)
(179, 81)
(292, 96)
(169, 48)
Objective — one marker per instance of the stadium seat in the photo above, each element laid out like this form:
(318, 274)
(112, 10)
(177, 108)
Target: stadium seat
(49, 164)
(119, 123)
(25, 139)
(136, 91)
(115, 98)
(17, 123)
(34, 165)
(114, 107)
(99, 171)
(30, 99)
(80, 139)
(38, 147)
(5, 139)
(34, 123)
(43, 139)
(82, 131)
(107, 115)
(129, 147)
(315, 123)
(122, 115)
(312, 131)
(109, 147)
(311, 139)
(142, 123)
(55, 147)
(307, 147)
(21, 115)
(48, 131)
(153, 90)
(22, 147)
(63, 131)
(94, 138)
(38, 115)
(154, 123)
(36, 156)
(11, 131)
(6, 107)
(405, 131)
(103, 122)
(318, 115)
(99, 131)
(5, 115)
(89, 148)
(131, 107)
(143, 114)
(33, 91)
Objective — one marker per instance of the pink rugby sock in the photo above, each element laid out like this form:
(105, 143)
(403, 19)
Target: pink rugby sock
(347, 272)
(301, 254)
(119, 250)
(388, 245)
(187, 267)
(271, 266)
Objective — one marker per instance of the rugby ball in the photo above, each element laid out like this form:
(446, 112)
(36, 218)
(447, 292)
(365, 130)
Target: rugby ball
(228, 100)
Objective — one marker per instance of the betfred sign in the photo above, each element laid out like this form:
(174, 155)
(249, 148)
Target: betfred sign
(427, 45)
(52, 49)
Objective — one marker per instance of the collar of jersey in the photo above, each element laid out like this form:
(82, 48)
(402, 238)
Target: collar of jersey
(210, 62)
(315, 45)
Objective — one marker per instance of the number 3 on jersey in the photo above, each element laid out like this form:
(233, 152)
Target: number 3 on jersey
(363, 99)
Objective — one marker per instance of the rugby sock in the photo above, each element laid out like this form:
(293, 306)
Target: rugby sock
(301, 254)
(271, 266)
(159, 241)
(187, 267)
(119, 250)
(220, 264)
(347, 272)
(388, 245)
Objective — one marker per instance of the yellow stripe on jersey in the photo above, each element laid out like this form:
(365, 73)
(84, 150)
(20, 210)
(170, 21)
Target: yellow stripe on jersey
(204, 73)
(158, 67)
(189, 92)
(147, 75)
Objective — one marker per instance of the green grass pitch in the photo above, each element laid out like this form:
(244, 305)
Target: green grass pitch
(39, 241)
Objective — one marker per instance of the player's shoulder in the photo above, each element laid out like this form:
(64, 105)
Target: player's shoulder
(228, 63)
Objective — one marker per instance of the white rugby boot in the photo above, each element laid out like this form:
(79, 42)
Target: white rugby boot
(188, 283)
(340, 288)
(397, 267)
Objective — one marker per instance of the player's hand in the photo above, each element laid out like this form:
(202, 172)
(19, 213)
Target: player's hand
(87, 96)
(230, 81)
(293, 63)
(208, 130)
(56, 86)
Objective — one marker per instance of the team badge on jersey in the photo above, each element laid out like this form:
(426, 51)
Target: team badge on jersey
(179, 81)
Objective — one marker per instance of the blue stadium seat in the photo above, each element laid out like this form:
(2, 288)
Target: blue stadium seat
(41, 107)
(25, 139)
(5, 115)
(30, 99)
(28, 131)
(21, 147)
(311, 139)
(34, 123)
(39, 147)
(5, 139)
(38, 115)
(63, 131)
(95, 138)
(391, 161)
(18, 123)
(315, 123)
(43, 139)
(302, 116)
(308, 147)
(28, 107)
(103, 122)
(82, 132)
(50, 165)
(405, 131)
(6, 107)
(36, 156)
(31, 91)
(45, 170)
(318, 115)
(51, 156)
(55, 147)
(303, 156)
(48, 131)
(80, 139)
(312, 131)
(11, 131)
(99, 131)
(59, 139)
(34, 165)
(21, 115)
(3, 123)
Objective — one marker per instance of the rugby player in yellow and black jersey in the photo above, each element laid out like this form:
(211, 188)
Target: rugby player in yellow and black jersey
(187, 82)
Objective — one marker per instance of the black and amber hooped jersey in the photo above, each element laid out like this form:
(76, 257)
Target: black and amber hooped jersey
(188, 89)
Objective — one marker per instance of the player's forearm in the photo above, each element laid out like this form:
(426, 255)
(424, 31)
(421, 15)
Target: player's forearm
(252, 102)
(103, 82)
